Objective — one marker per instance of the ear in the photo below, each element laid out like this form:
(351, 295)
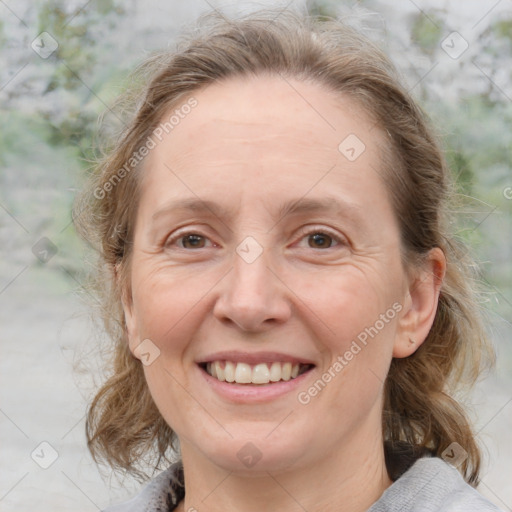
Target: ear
(129, 316)
(420, 304)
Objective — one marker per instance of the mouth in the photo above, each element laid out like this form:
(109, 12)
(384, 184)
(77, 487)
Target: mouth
(262, 373)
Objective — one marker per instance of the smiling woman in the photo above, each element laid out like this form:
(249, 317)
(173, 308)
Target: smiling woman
(290, 313)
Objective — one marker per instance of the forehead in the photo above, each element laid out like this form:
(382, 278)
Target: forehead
(265, 139)
(268, 113)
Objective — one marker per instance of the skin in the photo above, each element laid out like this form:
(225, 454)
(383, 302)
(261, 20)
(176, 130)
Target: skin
(251, 145)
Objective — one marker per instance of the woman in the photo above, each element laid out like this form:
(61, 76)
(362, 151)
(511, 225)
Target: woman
(290, 311)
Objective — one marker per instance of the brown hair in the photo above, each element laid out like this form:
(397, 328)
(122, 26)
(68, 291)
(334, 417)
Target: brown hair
(123, 423)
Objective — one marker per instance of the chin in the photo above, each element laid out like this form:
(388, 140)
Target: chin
(257, 455)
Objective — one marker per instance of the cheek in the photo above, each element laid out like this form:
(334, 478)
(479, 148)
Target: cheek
(168, 309)
(165, 304)
(169, 390)
(358, 312)
(352, 305)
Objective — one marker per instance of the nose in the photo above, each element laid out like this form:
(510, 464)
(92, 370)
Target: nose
(252, 296)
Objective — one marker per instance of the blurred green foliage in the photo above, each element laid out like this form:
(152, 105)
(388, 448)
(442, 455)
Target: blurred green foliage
(503, 28)
(426, 31)
(77, 56)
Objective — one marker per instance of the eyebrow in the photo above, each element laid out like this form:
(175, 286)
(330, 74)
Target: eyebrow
(326, 205)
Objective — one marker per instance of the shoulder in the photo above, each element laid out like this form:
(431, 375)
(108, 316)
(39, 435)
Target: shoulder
(429, 485)
(432, 485)
(163, 492)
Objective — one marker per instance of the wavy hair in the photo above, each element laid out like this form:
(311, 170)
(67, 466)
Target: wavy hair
(124, 425)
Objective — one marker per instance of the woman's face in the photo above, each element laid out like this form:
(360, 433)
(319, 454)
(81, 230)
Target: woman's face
(265, 245)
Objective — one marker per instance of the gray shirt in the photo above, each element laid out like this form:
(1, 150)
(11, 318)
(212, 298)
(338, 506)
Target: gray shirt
(429, 485)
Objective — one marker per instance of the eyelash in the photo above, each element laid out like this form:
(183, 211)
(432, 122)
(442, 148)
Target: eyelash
(303, 232)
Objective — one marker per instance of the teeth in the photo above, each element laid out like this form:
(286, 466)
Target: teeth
(286, 372)
(262, 373)
(243, 373)
(229, 371)
(275, 372)
(221, 374)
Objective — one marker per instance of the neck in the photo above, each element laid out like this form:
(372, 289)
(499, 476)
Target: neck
(351, 479)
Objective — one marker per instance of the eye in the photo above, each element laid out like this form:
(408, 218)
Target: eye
(321, 238)
(190, 240)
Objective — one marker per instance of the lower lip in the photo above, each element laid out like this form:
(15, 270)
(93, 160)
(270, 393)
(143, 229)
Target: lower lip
(255, 393)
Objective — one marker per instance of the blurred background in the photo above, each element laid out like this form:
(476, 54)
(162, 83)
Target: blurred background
(63, 64)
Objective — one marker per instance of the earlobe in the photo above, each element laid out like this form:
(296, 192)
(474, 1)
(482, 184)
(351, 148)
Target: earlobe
(421, 305)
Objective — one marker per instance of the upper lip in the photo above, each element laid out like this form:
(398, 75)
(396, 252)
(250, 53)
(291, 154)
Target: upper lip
(253, 357)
